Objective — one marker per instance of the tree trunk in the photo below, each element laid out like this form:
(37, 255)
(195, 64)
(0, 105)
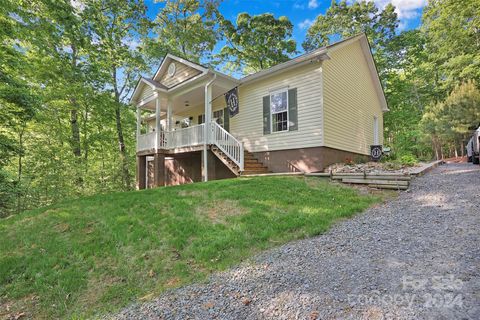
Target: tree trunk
(75, 139)
(20, 169)
(123, 153)
(121, 141)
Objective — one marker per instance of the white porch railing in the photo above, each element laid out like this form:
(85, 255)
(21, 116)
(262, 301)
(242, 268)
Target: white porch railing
(185, 137)
(194, 136)
(228, 144)
(147, 141)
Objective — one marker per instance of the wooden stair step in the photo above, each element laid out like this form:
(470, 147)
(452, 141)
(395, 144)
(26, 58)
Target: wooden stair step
(263, 169)
(254, 165)
(254, 172)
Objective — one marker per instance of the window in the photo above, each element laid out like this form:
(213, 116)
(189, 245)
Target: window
(218, 116)
(279, 111)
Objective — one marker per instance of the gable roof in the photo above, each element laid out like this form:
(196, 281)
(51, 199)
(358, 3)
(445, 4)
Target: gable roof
(146, 82)
(319, 54)
(372, 67)
(169, 57)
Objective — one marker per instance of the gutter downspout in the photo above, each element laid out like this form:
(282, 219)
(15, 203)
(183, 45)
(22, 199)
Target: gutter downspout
(208, 119)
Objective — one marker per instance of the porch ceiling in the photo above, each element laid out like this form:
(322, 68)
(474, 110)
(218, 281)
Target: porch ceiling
(187, 100)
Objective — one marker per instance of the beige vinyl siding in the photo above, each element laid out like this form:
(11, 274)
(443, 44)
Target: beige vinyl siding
(182, 73)
(350, 101)
(146, 92)
(247, 125)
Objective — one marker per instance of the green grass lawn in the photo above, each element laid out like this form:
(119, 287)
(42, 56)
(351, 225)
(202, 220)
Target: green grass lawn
(93, 255)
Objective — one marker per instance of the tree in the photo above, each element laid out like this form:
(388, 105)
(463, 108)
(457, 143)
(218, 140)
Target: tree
(453, 41)
(256, 42)
(449, 122)
(186, 28)
(18, 103)
(343, 20)
(115, 25)
(408, 88)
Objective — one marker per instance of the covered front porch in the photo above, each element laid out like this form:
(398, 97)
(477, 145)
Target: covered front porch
(180, 120)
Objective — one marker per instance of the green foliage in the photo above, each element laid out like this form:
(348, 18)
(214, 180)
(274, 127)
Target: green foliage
(186, 28)
(452, 120)
(66, 71)
(451, 28)
(98, 253)
(408, 160)
(343, 20)
(256, 42)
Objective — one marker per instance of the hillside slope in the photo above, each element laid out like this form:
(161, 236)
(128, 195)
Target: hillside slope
(95, 254)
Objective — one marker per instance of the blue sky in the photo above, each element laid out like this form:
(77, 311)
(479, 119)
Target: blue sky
(303, 12)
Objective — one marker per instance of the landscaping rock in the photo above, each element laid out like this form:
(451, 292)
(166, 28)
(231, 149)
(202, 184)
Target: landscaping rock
(414, 257)
(372, 168)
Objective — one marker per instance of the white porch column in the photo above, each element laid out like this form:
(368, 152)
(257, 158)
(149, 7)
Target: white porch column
(157, 123)
(169, 114)
(208, 120)
(139, 122)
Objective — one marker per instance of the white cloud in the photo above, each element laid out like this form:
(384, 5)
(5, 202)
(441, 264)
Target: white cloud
(298, 6)
(305, 24)
(78, 5)
(132, 43)
(312, 4)
(406, 9)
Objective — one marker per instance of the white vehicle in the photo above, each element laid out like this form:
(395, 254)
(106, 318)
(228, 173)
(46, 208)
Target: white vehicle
(476, 147)
(470, 150)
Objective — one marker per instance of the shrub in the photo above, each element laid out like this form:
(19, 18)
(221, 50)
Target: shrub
(408, 160)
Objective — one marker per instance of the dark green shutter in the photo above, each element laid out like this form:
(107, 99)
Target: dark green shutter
(200, 119)
(226, 119)
(292, 110)
(266, 115)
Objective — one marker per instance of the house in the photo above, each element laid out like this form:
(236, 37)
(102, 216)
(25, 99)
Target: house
(302, 115)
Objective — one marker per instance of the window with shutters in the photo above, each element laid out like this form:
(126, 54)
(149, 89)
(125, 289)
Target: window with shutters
(279, 111)
(201, 119)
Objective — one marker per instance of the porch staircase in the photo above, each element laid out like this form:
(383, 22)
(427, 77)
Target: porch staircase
(251, 164)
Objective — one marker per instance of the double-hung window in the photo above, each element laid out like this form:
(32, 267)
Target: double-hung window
(279, 110)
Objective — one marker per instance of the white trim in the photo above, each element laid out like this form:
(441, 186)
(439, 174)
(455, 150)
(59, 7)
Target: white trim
(271, 113)
(169, 57)
(322, 106)
(144, 81)
(376, 131)
(278, 89)
(141, 103)
(312, 57)
(373, 72)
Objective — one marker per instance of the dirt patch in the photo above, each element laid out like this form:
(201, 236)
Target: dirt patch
(194, 193)
(217, 210)
(95, 289)
(23, 308)
(62, 227)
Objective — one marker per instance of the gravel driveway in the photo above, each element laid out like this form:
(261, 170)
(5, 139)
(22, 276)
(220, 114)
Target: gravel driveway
(417, 256)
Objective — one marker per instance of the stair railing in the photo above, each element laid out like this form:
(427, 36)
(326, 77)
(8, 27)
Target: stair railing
(227, 143)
